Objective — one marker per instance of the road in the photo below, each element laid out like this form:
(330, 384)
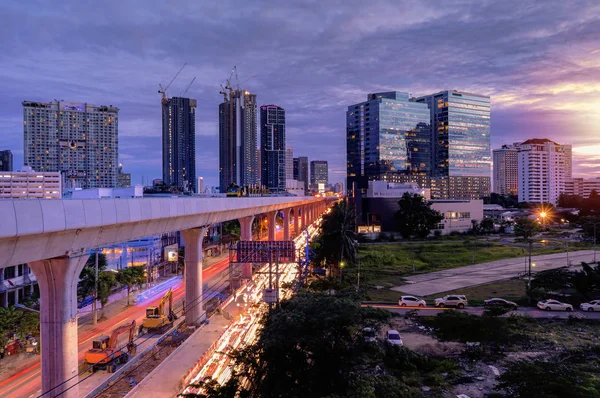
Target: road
(27, 382)
(527, 311)
(479, 274)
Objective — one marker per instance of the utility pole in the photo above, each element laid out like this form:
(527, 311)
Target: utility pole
(529, 278)
(95, 319)
(594, 242)
(358, 276)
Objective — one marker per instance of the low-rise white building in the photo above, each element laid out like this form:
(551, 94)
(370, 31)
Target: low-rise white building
(295, 187)
(29, 184)
(458, 214)
(101, 193)
(384, 189)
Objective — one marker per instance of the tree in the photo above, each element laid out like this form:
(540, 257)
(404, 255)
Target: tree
(87, 281)
(587, 280)
(527, 228)
(553, 280)
(19, 322)
(487, 225)
(130, 277)
(313, 346)
(416, 217)
(337, 237)
(587, 225)
(107, 281)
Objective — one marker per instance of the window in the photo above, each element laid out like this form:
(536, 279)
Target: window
(9, 272)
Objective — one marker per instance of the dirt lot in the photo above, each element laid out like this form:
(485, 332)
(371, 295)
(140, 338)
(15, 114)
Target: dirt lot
(144, 366)
(478, 370)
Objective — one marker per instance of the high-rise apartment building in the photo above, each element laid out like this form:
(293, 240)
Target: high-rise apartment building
(506, 170)
(461, 158)
(388, 137)
(77, 139)
(289, 163)
(301, 170)
(272, 141)
(319, 173)
(258, 162)
(6, 160)
(238, 158)
(123, 179)
(179, 143)
(543, 166)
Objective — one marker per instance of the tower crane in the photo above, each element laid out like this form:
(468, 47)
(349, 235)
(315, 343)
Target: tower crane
(163, 91)
(187, 88)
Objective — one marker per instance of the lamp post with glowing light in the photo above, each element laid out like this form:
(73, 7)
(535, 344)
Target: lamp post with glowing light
(543, 216)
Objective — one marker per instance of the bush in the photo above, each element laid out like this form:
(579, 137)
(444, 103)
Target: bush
(551, 379)
(460, 326)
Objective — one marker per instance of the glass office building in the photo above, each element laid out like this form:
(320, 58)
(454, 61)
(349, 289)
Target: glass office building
(388, 137)
(461, 152)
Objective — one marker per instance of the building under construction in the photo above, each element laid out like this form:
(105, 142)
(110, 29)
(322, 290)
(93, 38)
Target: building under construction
(238, 157)
(179, 139)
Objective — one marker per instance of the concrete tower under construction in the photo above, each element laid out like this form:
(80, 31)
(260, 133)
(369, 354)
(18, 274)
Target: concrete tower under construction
(238, 158)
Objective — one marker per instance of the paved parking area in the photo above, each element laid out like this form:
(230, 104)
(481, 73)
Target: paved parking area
(479, 274)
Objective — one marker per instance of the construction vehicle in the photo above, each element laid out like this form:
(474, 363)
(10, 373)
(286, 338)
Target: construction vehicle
(156, 317)
(106, 354)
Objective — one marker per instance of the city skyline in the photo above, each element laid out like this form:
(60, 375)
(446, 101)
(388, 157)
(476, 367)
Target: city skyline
(546, 85)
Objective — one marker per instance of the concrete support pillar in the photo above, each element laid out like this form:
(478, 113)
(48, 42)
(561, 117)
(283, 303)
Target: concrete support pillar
(272, 217)
(286, 224)
(194, 311)
(296, 221)
(57, 279)
(304, 217)
(246, 234)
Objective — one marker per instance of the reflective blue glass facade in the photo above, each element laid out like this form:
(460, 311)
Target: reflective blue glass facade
(461, 137)
(386, 136)
(461, 126)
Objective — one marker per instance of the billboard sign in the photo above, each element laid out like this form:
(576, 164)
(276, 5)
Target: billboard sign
(264, 252)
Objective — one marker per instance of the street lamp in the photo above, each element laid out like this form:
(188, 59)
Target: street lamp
(543, 216)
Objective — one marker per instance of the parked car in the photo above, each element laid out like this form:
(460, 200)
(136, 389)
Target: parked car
(411, 301)
(554, 305)
(593, 305)
(370, 335)
(500, 302)
(393, 337)
(452, 300)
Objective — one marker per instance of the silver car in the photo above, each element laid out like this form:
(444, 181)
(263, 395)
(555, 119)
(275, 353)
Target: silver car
(554, 305)
(452, 300)
(593, 305)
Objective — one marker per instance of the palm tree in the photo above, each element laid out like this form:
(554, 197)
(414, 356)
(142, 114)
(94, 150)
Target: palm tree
(337, 236)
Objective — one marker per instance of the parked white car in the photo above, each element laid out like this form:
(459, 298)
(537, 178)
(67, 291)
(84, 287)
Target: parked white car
(593, 305)
(452, 300)
(411, 301)
(393, 337)
(554, 305)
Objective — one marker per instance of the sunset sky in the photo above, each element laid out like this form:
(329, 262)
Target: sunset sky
(539, 62)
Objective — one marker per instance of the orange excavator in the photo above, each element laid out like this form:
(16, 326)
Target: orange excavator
(105, 352)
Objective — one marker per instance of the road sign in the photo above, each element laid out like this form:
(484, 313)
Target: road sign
(263, 252)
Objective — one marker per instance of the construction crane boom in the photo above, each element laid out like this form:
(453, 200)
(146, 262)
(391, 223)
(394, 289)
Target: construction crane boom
(187, 88)
(163, 91)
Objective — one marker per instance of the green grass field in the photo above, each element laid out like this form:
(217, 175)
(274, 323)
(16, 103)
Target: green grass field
(387, 265)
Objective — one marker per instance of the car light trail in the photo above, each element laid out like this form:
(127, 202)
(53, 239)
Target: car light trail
(244, 331)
